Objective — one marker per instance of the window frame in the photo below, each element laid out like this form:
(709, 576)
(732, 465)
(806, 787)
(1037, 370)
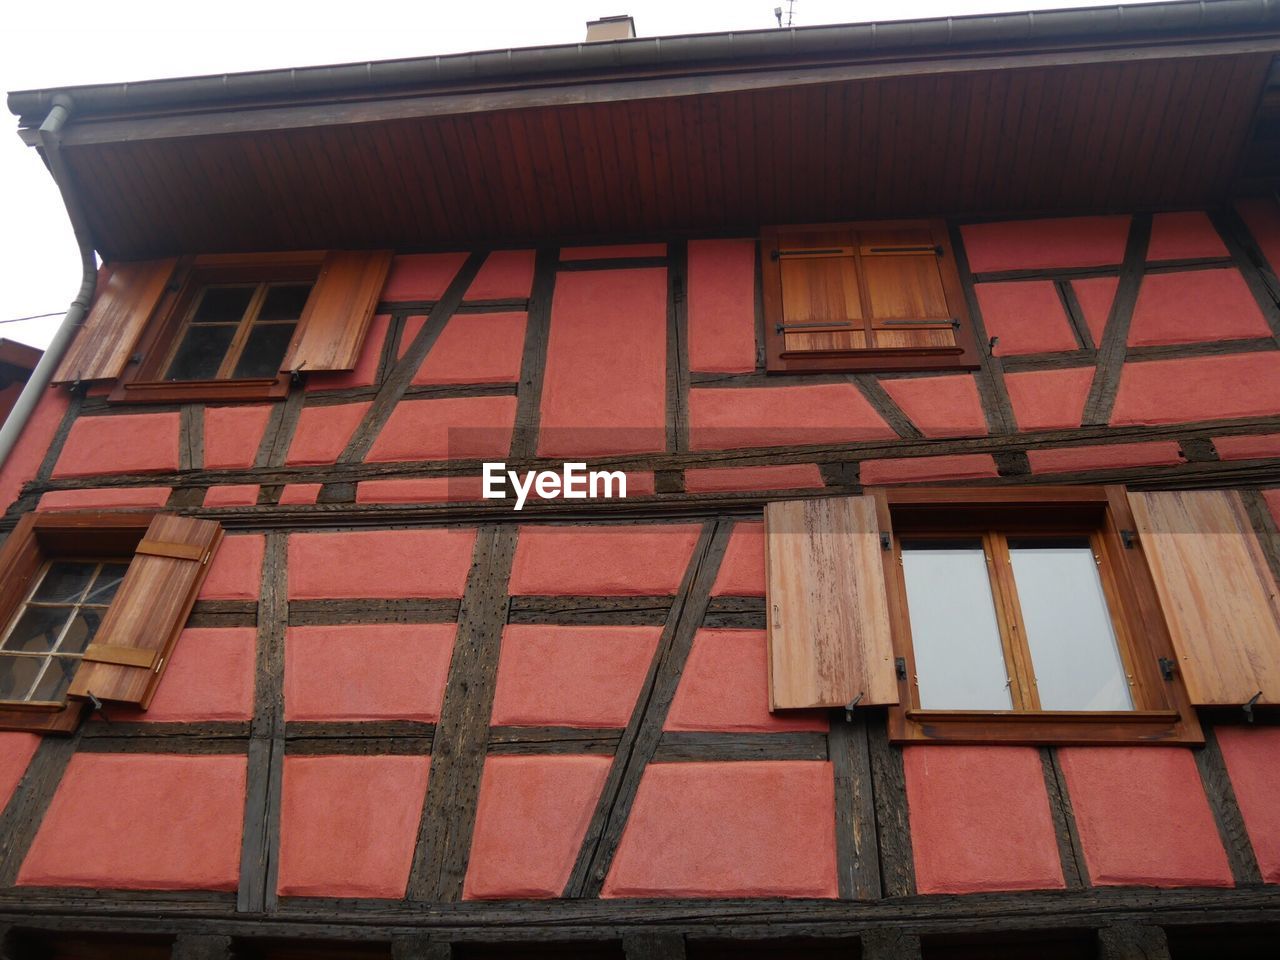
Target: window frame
(963, 356)
(1162, 711)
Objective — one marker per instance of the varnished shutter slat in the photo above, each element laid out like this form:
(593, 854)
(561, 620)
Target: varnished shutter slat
(828, 616)
(1217, 592)
(818, 275)
(337, 315)
(118, 316)
(905, 289)
(148, 612)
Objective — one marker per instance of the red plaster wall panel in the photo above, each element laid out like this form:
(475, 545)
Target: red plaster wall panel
(940, 406)
(725, 686)
(504, 275)
(1252, 755)
(1143, 817)
(421, 276)
(1195, 306)
(1095, 296)
(1262, 216)
(365, 372)
(1254, 447)
(209, 678)
(602, 561)
(1159, 453)
(980, 820)
(741, 571)
(1049, 399)
(605, 380)
(1026, 315)
(412, 327)
(236, 571)
(786, 476)
(130, 443)
(299, 494)
(419, 490)
(367, 671)
(530, 820)
(455, 427)
(1272, 498)
(476, 348)
(723, 418)
(104, 498)
(28, 453)
(323, 432)
(1198, 388)
(611, 251)
(232, 435)
(1040, 244)
(348, 825)
(232, 495)
(685, 839)
(138, 822)
(964, 466)
(393, 563)
(566, 676)
(1184, 236)
(16, 751)
(722, 306)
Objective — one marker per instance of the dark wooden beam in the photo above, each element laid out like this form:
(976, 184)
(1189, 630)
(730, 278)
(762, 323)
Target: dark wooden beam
(30, 800)
(996, 406)
(533, 363)
(677, 346)
(874, 393)
(1070, 851)
(1115, 335)
(656, 946)
(1132, 941)
(420, 948)
(857, 850)
(890, 945)
(201, 947)
(1226, 809)
(893, 827)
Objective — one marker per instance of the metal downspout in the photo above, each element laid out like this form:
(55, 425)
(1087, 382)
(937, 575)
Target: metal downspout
(50, 137)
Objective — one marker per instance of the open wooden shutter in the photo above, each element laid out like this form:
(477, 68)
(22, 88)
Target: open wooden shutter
(118, 316)
(821, 302)
(139, 629)
(905, 289)
(338, 312)
(1218, 595)
(828, 617)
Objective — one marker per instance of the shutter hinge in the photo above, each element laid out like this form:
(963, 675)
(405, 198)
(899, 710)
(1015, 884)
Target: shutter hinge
(1167, 667)
(1128, 538)
(900, 667)
(884, 541)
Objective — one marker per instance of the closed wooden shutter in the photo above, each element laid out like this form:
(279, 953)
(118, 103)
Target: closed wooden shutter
(908, 299)
(821, 298)
(1218, 594)
(828, 617)
(139, 629)
(118, 316)
(338, 312)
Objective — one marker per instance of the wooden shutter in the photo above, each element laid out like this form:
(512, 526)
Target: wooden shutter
(905, 290)
(128, 655)
(821, 300)
(828, 617)
(338, 312)
(1218, 594)
(118, 316)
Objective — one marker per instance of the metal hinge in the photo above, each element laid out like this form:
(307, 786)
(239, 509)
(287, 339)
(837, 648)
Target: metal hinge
(884, 541)
(1167, 668)
(900, 667)
(1128, 538)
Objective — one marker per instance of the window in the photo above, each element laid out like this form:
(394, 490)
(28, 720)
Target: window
(864, 296)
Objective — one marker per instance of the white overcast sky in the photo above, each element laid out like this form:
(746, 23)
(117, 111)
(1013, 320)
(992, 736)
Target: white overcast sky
(71, 42)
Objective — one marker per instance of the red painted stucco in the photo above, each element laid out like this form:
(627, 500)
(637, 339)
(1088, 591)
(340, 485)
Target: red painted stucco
(421, 276)
(1252, 755)
(1040, 244)
(476, 348)
(530, 820)
(1095, 296)
(33, 443)
(725, 686)
(236, 570)
(962, 466)
(104, 498)
(232, 495)
(1143, 817)
(1157, 453)
(1272, 499)
(299, 494)
(1195, 306)
(412, 327)
(210, 677)
(602, 560)
(1184, 236)
(419, 490)
(393, 563)
(611, 251)
(1247, 447)
(129, 443)
(604, 388)
(738, 829)
(1262, 216)
(741, 571)
(16, 751)
(453, 427)
(322, 432)
(980, 820)
(348, 825)
(722, 306)
(232, 435)
(140, 822)
(782, 416)
(365, 372)
(940, 406)
(1198, 388)
(1049, 399)
(367, 671)
(1027, 316)
(784, 476)
(571, 676)
(504, 275)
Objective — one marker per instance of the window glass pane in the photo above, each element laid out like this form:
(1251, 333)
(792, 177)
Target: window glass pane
(56, 678)
(84, 626)
(223, 305)
(1073, 643)
(17, 675)
(38, 629)
(954, 633)
(201, 353)
(108, 582)
(64, 582)
(264, 350)
(284, 301)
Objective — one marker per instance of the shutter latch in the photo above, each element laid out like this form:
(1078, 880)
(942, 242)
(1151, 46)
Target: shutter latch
(1248, 707)
(1128, 538)
(1167, 667)
(900, 666)
(884, 540)
(848, 708)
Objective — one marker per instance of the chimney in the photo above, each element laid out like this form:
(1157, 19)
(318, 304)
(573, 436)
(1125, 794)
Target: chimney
(611, 28)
